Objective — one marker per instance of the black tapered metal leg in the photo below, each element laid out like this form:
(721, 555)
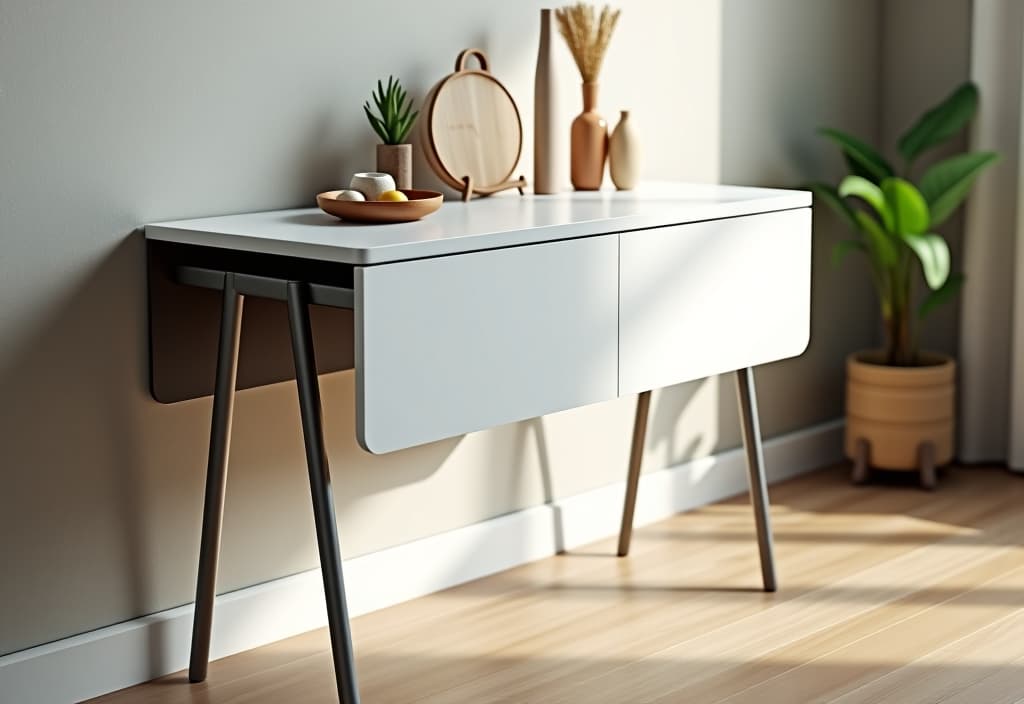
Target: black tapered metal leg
(755, 471)
(320, 487)
(636, 456)
(216, 478)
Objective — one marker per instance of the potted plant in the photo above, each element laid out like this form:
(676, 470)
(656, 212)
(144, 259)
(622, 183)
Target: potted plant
(900, 400)
(392, 123)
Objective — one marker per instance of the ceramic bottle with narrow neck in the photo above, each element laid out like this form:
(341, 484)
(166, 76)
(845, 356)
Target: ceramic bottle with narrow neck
(548, 130)
(589, 148)
(624, 154)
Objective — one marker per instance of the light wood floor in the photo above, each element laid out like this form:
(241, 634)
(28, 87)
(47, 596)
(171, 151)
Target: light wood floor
(888, 594)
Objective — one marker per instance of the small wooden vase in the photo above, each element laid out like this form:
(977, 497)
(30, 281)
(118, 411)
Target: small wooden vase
(589, 148)
(396, 159)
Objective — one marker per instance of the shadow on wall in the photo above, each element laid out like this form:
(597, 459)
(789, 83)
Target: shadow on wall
(421, 74)
(115, 480)
(536, 426)
(671, 405)
(73, 402)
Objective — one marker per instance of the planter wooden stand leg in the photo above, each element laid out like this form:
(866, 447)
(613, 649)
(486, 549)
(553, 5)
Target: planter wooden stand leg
(925, 458)
(926, 455)
(861, 470)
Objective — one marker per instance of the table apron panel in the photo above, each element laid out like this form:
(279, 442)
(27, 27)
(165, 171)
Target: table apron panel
(450, 345)
(712, 297)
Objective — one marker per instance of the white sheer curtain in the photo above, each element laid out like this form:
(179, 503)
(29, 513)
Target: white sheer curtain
(992, 317)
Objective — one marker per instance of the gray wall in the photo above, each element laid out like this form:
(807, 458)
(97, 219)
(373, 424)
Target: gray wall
(114, 114)
(922, 68)
(789, 67)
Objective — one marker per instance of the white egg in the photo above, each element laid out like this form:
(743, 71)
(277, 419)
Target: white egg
(349, 194)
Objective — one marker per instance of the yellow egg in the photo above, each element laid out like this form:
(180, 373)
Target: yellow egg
(392, 196)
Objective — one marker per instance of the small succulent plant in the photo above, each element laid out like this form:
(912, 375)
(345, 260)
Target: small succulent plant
(394, 116)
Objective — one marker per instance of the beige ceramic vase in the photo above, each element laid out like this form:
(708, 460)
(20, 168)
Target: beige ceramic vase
(899, 418)
(589, 148)
(624, 154)
(548, 130)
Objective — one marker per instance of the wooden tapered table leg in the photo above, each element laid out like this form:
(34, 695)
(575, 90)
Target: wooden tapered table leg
(636, 456)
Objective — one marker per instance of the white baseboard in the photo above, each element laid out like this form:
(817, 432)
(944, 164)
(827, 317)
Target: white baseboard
(124, 654)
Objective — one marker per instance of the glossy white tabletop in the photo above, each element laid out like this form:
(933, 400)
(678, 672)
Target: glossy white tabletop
(503, 220)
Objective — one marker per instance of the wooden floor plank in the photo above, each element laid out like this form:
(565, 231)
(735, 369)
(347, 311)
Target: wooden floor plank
(984, 666)
(888, 594)
(871, 654)
(774, 659)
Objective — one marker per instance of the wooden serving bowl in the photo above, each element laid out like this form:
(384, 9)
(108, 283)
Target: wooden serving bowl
(419, 205)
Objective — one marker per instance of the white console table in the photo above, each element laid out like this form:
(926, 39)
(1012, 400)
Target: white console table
(499, 310)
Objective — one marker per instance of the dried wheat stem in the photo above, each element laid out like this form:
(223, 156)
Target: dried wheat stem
(587, 35)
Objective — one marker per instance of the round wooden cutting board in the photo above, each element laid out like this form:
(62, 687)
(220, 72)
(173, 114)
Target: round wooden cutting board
(473, 135)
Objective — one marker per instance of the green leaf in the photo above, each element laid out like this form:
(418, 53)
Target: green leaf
(880, 244)
(870, 193)
(869, 162)
(829, 195)
(404, 113)
(392, 95)
(946, 184)
(403, 131)
(375, 123)
(941, 295)
(941, 122)
(857, 170)
(909, 209)
(843, 248)
(933, 252)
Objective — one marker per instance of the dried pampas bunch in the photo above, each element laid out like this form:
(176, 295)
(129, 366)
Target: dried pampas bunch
(587, 35)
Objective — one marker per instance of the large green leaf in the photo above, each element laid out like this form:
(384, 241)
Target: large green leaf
(946, 184)
(868, 162)
(933, 252)
(941, 122)
(856, 169)
(871, 194)
(881, 245)
(909, 208)
(940, 295)
(843, 248)
(828, 194)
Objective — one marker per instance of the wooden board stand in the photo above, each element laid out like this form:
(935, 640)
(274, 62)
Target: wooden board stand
(468, 190)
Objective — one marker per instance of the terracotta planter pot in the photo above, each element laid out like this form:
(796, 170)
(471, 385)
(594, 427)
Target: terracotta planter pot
(900, 418)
